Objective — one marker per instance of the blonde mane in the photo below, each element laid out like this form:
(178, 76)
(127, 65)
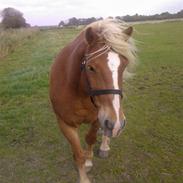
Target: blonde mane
(111, 31)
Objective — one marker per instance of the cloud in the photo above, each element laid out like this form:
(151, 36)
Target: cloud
(49, 12)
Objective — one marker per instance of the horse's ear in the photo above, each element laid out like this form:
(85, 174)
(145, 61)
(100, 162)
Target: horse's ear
(128, 32)
(90, 35)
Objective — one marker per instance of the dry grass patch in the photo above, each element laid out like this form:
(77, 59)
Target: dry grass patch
(11, 38)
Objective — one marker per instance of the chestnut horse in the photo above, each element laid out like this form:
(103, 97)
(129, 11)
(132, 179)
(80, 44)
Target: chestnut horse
(86, 87)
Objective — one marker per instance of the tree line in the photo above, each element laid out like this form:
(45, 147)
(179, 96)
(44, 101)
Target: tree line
(162, 16)
(128, 18)
(12, 18)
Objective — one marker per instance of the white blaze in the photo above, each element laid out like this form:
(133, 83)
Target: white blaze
(114, 63)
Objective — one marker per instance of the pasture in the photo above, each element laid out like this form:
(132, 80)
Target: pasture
(12, 38)
(32, 149)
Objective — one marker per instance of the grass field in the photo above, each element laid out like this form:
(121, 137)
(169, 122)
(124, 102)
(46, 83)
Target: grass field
(11, 38)
(32, 150)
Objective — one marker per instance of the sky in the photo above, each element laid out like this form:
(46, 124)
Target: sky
(51, 12)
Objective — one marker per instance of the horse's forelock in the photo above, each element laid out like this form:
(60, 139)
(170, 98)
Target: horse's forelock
(112, 31)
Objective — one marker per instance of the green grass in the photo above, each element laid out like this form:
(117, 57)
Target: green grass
(32, 149)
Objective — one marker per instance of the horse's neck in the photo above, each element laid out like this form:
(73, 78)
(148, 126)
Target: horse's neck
(77, 82)
(77, 50)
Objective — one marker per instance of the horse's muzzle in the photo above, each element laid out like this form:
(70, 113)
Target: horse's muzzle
(111, 130)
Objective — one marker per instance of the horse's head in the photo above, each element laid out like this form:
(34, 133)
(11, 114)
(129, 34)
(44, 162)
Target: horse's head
(104, 74)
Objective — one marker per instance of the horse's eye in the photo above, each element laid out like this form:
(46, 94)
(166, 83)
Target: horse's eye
(90, 68)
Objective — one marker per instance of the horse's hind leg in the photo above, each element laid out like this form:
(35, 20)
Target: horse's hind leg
(72, 136)
(90, 138)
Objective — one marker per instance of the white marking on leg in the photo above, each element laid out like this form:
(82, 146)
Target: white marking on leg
(88, 163)
(105, 143)
(114, 63)
(83, 176)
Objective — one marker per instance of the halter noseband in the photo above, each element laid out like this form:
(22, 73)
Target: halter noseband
(92, 92)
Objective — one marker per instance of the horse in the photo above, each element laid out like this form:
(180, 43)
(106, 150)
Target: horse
(86, 81)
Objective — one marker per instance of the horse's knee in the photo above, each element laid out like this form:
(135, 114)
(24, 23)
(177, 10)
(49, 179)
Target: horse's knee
(91, 139)
(91, 136)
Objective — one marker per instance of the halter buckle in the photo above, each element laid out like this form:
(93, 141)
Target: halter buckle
(83, 63)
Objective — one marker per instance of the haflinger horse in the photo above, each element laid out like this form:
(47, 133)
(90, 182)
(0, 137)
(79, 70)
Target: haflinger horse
(86, 87)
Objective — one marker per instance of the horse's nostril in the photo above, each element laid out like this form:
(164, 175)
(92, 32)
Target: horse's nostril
(108, 124)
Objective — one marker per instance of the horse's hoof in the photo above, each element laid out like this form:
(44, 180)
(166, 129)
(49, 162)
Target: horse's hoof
(103, 154)
(88, 169)
(88, 165)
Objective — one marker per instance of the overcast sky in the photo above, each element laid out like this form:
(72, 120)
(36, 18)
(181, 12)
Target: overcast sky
(51, 12)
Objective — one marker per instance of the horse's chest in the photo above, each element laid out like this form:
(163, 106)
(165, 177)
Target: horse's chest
(85, 115)
(74, 111)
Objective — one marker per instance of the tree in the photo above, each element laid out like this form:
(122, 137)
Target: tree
(61, 24)
(12, 18)
(73, 21)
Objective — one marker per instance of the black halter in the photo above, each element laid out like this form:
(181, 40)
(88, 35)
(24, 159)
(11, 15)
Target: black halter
(92, 92)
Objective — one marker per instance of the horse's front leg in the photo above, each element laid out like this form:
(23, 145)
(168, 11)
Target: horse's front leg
(91, 138)
(104, 147)
(72, 136)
